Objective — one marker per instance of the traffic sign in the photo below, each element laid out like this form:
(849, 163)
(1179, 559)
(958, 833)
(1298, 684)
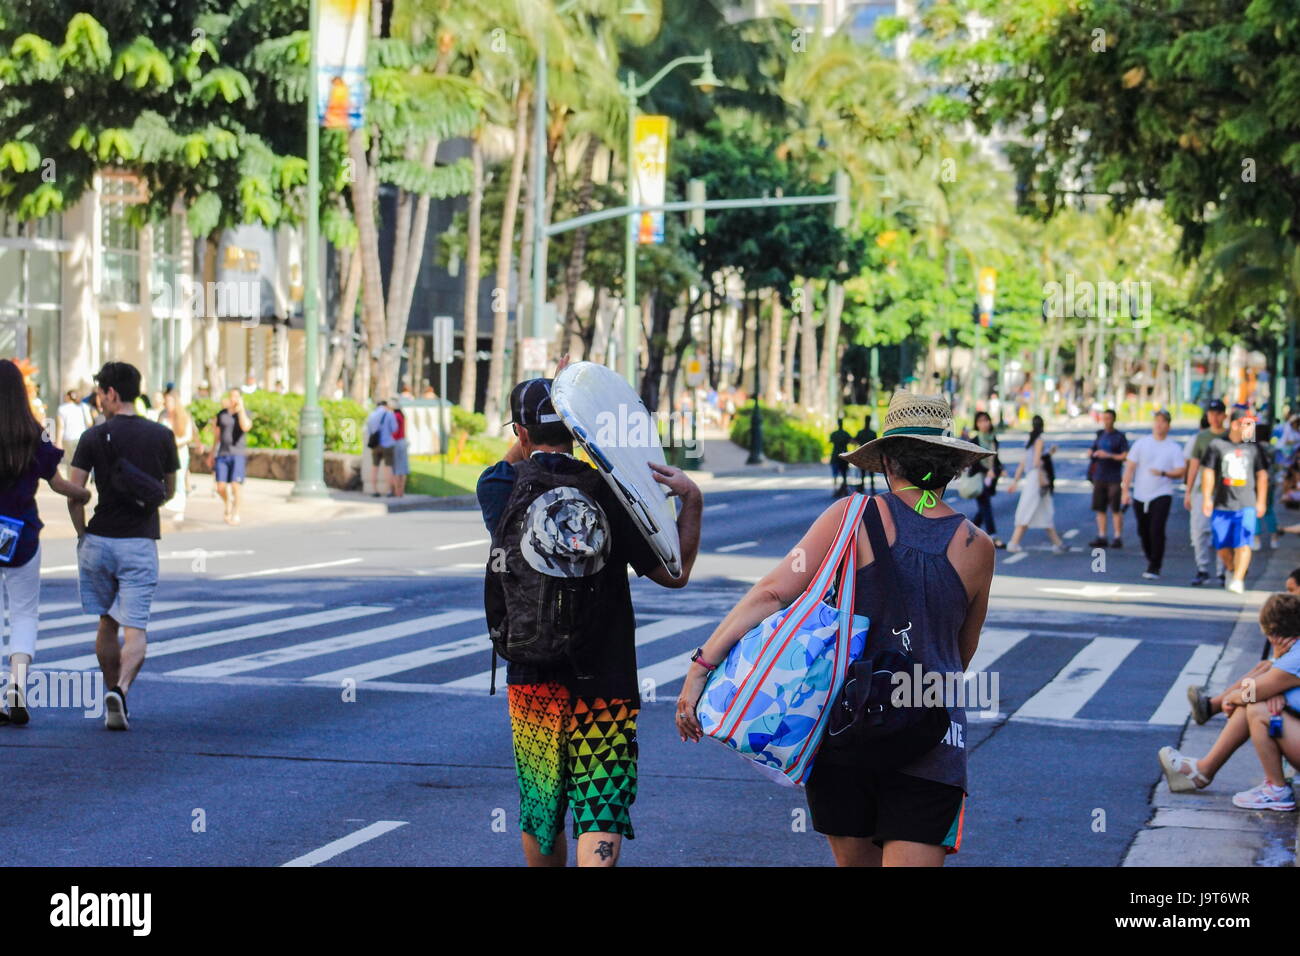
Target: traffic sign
(444, 337)
(694, 373)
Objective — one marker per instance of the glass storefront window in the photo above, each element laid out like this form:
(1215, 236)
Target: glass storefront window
(120, 242)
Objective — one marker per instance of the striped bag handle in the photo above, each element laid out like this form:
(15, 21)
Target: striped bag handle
(797, 613)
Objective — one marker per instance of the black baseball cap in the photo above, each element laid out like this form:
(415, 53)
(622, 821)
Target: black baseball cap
(530, 403)
(1216, 406)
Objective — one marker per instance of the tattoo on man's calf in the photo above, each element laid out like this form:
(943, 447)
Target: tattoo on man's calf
(604, 849)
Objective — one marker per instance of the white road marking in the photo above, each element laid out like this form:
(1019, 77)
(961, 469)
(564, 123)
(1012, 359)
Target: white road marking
(1072, 533)
(290, 570)
(665, 672)
(463, 544)
(200, 553)
(331, 850)
(736, 547)
(1174, 708)
(56, 570)
(326, 645)
(245, 632)
(171, 624)
(1098, 591)
(1065, 694)
(1018, 556)
(384, 666)
(654, 631)
(84, 620)
(994, 642)
(721, 507)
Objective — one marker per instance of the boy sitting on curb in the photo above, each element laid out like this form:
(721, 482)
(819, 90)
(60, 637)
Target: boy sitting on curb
(1264, 707)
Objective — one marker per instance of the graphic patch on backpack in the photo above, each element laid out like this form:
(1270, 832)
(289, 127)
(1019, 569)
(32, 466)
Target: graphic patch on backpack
(566, 534)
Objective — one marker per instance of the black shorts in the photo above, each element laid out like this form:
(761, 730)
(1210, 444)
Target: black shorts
(1106, 496)
(884, 805)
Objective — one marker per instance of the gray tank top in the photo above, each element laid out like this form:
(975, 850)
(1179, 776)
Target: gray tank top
(935, 601)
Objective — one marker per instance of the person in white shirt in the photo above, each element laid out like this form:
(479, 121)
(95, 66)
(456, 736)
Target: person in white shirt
(1154, 463)
(72, 418)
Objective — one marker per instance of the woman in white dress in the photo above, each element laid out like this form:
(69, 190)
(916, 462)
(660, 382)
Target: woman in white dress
(1035, 508)
(175, 416)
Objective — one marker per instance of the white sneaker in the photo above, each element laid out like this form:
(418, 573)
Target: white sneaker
(1265, 797)
(1014, 549)
(1235, 586)
(1150, 575)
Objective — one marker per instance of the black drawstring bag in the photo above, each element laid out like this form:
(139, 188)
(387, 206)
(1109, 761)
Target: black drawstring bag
(866, 728)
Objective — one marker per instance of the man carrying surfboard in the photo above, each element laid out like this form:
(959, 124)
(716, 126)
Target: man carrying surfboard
(559, 610)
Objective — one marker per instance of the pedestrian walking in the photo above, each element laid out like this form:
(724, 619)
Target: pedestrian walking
(840, 441)
(1234, 492)
(910, 815)
(1106, 472)
(27, 457)
(1036, 508)
(71, 419)
(865, 435)
(573, 713)
(990, 470)
(1202, 538)
(228, 458)
(401, 457)
(1154, 463)
(117, 551)
(177, 418)
(381, 426)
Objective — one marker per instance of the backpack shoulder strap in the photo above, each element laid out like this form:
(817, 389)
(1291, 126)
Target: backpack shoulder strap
(881, 554)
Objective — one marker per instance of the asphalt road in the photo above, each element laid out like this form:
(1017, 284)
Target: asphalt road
(248, 748)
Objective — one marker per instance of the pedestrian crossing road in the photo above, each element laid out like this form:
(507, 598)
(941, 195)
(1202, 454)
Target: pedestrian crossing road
(1050, 677)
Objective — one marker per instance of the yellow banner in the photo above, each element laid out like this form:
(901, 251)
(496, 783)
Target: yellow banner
(651, 166)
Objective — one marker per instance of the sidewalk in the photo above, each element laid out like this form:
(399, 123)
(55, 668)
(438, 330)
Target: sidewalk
(1203, 828)
(264, 502)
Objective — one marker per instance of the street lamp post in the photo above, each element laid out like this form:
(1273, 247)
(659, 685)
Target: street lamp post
(631, 322)
(311, 422)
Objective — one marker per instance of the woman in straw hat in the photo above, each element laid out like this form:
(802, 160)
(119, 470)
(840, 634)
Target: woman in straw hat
(910, 816)
(1035, 508)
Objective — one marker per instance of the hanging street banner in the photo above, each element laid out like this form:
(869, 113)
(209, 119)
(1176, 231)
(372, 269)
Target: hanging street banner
(987, 286)
(341, 63)
(651, 159)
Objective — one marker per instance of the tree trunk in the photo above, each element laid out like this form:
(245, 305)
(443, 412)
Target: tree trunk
(830, 344)
(344, 323)
(808, 355)
(791, 347)
(661, 307)
(473, 256)
(524, 301)
(772, 378)
(372, 279)
(505, 251)
(578, 254)
(211, 325)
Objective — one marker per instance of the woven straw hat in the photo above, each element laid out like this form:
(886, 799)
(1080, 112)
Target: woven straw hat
(926, 418)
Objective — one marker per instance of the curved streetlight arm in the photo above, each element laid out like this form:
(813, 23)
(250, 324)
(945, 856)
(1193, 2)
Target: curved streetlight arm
(636, 92)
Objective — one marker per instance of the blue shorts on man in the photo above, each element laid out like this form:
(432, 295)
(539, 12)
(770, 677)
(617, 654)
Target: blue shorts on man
(1233, 529)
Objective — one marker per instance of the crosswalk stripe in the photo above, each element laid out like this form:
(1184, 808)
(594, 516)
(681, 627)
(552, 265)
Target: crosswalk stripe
(82, 620)
(1065, 694)
(994, 642)
(334, 848)
(654, 631)
(180, 645)
(386, 666)
(665, 672)
(327, 645)
(1173, 709)
(170, 624)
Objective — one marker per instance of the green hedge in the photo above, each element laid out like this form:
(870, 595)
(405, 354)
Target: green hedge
(785, 438)
(275, 421)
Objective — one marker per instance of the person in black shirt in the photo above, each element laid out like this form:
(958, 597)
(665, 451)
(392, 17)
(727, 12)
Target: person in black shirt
(568, 728)
(840, 441)
(867, 434)
(1234, 496)
(117, 551)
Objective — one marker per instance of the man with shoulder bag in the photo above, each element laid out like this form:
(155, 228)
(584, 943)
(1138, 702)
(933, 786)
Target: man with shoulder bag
(134, 462)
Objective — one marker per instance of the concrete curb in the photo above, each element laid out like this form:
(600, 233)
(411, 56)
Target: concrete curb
(1204, 828)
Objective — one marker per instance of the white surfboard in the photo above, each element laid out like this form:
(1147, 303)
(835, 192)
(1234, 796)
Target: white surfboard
(609, 420)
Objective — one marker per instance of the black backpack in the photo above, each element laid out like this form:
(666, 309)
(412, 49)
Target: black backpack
(865, 728)
(549, 576)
